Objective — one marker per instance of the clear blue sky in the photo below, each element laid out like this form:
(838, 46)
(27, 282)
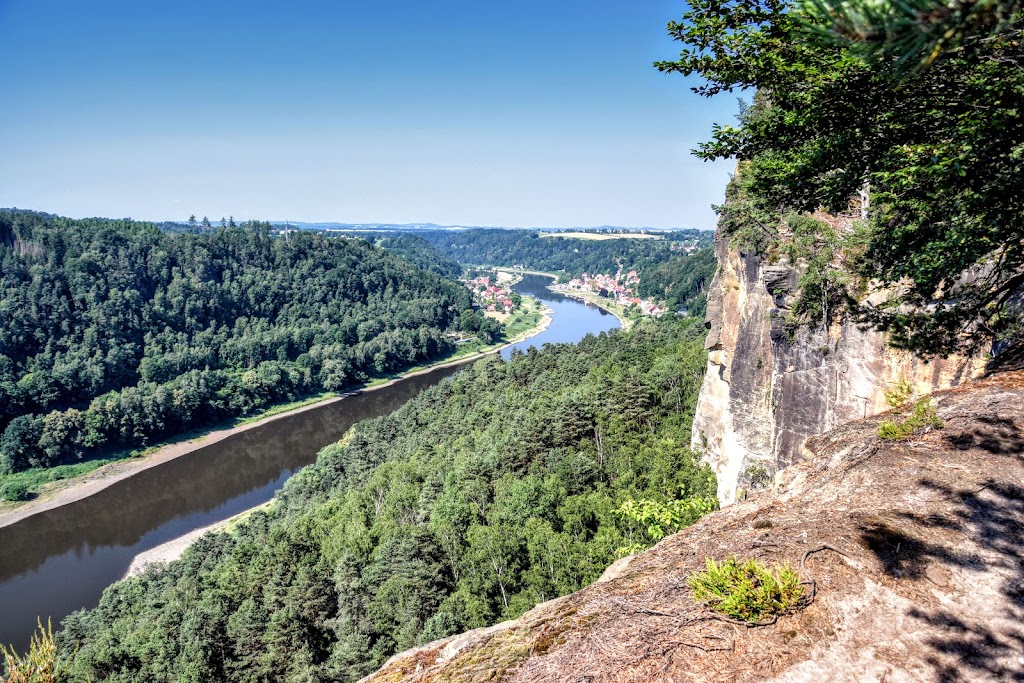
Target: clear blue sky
(472, 112)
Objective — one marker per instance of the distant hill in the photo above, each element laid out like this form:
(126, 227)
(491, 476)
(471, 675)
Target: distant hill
(675, 270)
(409, 227)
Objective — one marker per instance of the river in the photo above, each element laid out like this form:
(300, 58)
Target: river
(60, 560)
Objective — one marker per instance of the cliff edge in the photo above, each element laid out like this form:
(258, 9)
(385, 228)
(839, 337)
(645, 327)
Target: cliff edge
(765, 391)
(916, 548)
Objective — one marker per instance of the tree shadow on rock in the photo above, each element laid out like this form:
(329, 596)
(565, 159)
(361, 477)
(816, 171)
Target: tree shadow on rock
(992, 518)
(1008, 358)
(977, 649)
(997, 435)
(905, 556)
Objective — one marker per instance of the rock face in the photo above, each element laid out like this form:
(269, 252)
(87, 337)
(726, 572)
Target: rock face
(764, 394)
(914, 548)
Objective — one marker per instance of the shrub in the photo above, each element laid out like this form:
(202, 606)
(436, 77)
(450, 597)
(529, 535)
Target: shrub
(899, 394)
(922, 413)
(658, 520)
(747, 591)
(758, 476)
(40, 665)
(15, 491)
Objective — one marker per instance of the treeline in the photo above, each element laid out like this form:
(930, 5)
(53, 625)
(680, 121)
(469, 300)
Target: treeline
(571, 255)
(671, 276)
(485, 495)
(681, 281)
(410, 247)
(114, 333)
(417, 251)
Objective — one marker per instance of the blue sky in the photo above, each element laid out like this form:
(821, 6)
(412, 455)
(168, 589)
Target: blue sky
(526, 113)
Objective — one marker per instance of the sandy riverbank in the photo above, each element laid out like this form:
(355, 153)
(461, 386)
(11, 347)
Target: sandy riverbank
(76, 489)
(170, 551)
(173, 549)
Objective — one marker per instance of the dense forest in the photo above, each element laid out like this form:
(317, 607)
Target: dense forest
(114, 333)
(671, 276)
(417, 251)
(499, 488)
(680, 281)
(905, 117)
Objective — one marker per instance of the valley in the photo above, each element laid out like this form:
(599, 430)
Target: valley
(242, 467)
(774, 431)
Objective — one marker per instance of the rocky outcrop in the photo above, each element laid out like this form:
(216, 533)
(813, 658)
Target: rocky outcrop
(764, 393)
(914, 548)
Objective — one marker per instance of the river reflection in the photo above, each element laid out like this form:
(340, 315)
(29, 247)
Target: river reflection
(571, 320)
(60, 560)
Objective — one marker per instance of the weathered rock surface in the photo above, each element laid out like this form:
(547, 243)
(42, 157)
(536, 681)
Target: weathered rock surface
(916, 548)
(763, 394)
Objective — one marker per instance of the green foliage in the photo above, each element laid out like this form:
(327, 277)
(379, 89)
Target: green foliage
(831, 121)
(749, 226)
(922, 414)
(421, 253)
(41, 664)
(483, 496)
(913, 34)
(114, 334)
(758, 476)
(498, 247)
(19, 444)
(815, 247)
(25, 484)
(681, 282)
(15, 491)
(659, 519)
(899, 394)
(748, 591)
(674, 277)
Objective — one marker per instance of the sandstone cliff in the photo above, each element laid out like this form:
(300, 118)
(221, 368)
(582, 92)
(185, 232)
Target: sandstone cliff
(764, 393)
(916, 548)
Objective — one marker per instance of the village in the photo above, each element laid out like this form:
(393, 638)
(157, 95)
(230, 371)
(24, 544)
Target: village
(494, 293)
(618, 293)
(619, 289)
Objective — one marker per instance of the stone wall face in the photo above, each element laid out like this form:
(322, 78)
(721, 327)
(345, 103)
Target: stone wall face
(763, 394)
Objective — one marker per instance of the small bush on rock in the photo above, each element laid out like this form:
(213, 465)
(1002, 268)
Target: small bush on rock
(922, 413)
(747, 591)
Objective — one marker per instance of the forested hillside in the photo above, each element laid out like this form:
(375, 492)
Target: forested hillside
(419, 252)
(488, 493)
(672, 276)
(680, 281)
(113, 333)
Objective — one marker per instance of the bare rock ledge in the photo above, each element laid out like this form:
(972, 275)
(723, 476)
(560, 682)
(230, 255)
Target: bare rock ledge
(928, 583)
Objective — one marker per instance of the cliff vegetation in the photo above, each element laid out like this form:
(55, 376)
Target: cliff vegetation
(872, 233)
(902, 117)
